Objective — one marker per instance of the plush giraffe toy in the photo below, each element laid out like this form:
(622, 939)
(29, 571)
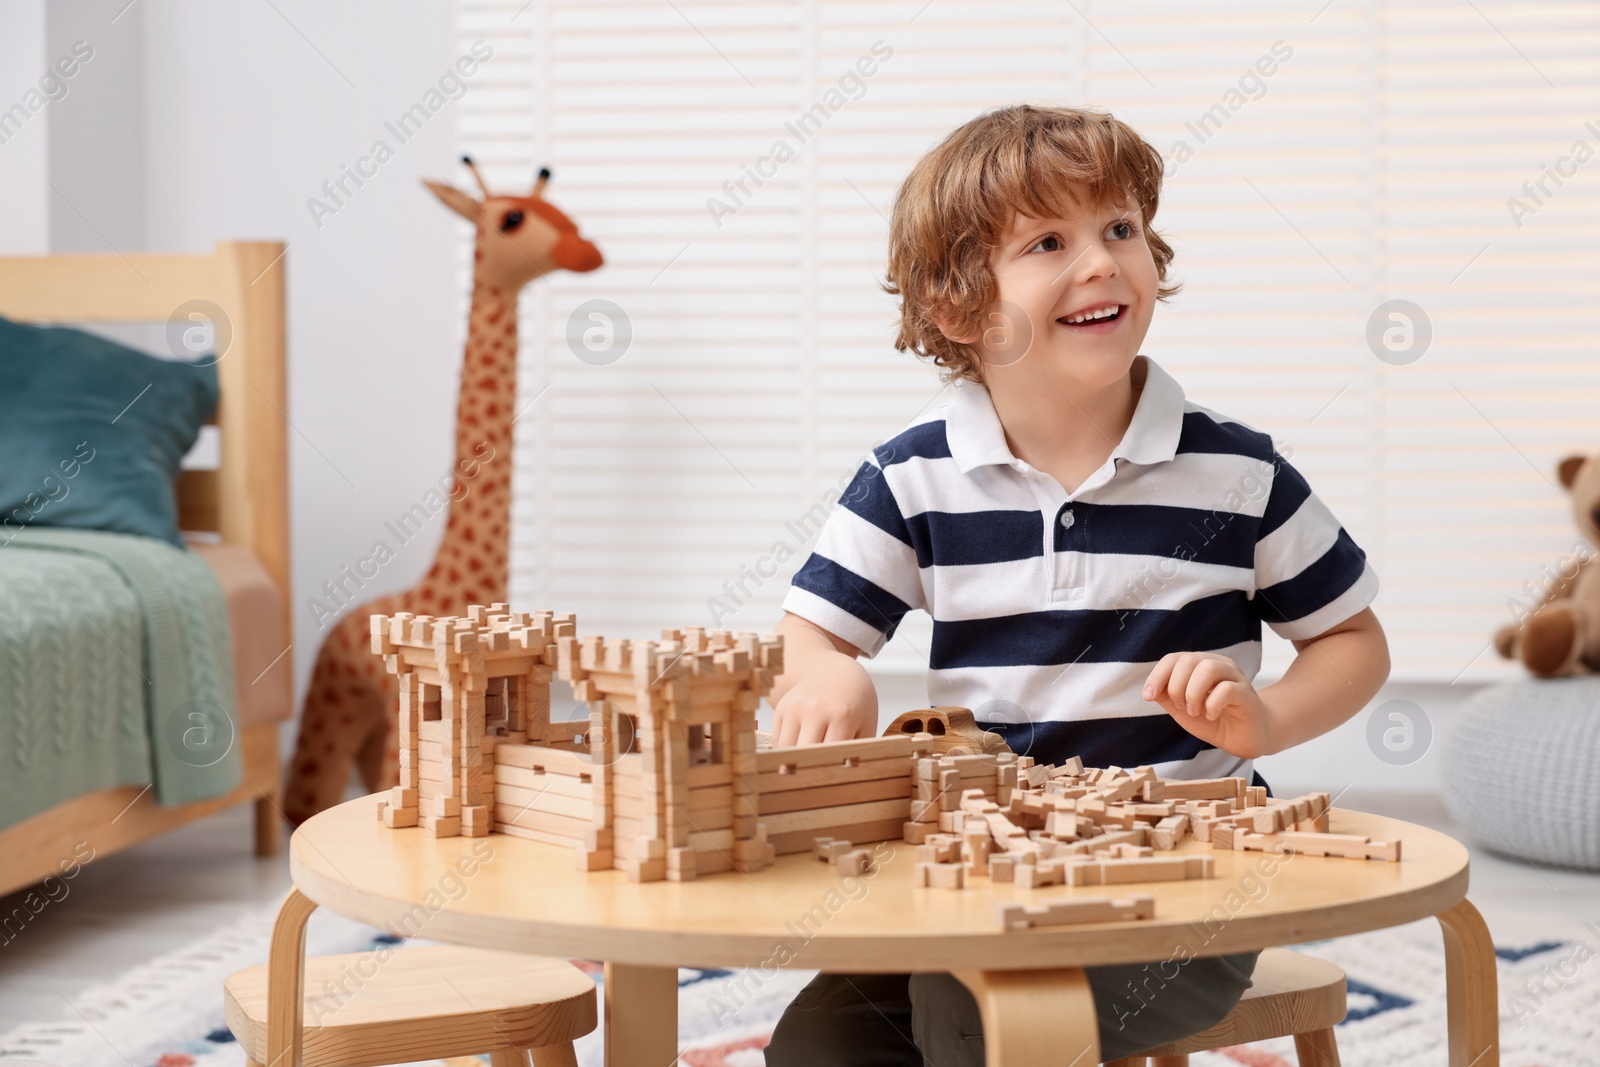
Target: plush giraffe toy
(351, 706)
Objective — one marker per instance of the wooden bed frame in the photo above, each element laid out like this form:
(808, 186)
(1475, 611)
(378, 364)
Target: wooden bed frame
(245, 500)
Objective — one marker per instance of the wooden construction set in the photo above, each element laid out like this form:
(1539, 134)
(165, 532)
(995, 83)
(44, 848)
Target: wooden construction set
(665, 780)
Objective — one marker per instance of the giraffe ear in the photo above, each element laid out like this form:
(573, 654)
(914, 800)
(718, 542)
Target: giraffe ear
(455, 200)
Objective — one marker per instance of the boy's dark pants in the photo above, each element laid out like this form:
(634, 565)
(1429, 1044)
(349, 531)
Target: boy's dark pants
(912, 1020)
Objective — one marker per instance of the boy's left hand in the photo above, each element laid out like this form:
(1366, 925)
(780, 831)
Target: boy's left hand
(1211, 698)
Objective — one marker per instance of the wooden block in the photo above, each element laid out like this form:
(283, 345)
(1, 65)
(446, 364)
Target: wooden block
(829, 849)
(975, 845)
(445, 806)
(1268, 820)
(856, 862)
(833, 774)
(941, 848)
(441, 826)
(398, 818)
(1115, 871)
(822, 819)
(1002, 867)
(1042, 873)
(916, 833)
(1204, 789)
(835, 753)
(1066, 912)
(1222, 834)
(940, 875)
(949, 790)
(1348, 846)
(681, 865)
(476, 821)
(594, 859)
(790, 842)
(403, 798)
(639, 870)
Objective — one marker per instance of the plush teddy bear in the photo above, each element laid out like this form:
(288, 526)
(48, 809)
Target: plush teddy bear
(1561, 636)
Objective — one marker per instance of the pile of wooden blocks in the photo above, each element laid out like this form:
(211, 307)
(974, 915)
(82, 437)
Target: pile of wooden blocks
(1040, 825)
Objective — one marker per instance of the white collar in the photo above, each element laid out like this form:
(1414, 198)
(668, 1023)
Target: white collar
(976, 437)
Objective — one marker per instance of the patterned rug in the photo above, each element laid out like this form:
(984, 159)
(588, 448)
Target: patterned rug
(168, 1013)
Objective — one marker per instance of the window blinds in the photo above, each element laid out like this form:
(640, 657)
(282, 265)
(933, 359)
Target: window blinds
(736, 163)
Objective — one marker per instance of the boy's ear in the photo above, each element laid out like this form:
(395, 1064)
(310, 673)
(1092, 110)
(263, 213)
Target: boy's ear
(947, 326)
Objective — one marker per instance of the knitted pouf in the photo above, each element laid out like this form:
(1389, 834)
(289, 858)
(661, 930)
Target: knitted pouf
(1522, 770)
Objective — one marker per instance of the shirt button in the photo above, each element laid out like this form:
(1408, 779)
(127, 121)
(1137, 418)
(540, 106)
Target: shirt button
(1067, 520)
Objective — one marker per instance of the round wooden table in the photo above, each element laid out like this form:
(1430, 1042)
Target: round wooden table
(512, 894)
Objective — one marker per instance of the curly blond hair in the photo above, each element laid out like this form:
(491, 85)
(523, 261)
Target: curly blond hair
(959, 201)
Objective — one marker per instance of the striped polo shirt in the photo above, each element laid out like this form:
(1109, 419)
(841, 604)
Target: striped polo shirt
(1051, 608)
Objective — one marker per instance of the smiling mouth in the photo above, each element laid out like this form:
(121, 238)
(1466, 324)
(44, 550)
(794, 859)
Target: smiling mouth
(1102, 320)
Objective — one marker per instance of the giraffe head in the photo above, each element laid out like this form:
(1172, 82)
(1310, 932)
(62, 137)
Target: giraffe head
(520, 238)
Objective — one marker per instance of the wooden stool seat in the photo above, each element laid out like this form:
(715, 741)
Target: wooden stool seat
(424, 1003)
(1291, 995)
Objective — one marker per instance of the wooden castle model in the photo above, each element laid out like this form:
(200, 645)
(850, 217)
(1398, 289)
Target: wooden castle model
(659, 780)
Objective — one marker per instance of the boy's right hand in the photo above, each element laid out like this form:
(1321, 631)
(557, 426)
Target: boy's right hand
(835, 701)
(823, 694)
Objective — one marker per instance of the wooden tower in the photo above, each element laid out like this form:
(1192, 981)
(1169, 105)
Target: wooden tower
(678, 719)
(467, 686)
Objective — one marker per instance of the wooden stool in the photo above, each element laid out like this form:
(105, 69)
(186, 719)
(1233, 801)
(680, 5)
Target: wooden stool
(1291, 995)
(425, 1003)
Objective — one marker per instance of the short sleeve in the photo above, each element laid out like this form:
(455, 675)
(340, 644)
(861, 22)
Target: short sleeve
(863, 576)
(1310, 576)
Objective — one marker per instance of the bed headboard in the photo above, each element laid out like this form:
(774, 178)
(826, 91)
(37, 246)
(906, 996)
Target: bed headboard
(246, 498)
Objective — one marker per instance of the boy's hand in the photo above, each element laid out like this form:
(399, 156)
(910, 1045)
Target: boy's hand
(1211, 698)
(834, 701)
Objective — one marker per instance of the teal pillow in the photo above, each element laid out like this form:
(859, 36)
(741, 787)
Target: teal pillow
(92, 432)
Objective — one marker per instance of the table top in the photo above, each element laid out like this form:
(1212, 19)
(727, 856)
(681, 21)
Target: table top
(518, 895)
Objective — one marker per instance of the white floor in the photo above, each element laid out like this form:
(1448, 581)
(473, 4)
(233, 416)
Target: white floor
(123, 909)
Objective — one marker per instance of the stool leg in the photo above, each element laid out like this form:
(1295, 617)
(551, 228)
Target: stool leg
(286, 980)
(1316, 1049)
(1170, 1061)
(1470, 982)
(562, 1055)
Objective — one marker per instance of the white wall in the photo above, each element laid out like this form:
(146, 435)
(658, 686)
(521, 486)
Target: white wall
(24, 141)
(247, 113)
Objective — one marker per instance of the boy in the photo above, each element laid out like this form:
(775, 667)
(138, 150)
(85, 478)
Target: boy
(1097, 553)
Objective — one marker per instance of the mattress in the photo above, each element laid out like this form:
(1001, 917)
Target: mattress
(255, 613)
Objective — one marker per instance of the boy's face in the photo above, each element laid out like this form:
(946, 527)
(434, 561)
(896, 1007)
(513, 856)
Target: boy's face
(1050, 274)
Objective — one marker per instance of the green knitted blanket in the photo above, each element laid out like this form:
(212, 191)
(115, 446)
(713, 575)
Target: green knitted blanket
(116, 668)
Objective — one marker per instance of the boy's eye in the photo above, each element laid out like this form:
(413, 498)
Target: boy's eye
(1050, 239)
(1123, 229)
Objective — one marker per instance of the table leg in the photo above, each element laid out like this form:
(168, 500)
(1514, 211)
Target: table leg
(641, 1016)
(286, 980)
(1471, 988)
(1032, 1017)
